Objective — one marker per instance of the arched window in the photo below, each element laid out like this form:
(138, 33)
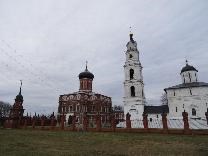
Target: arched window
(142, 93)
(130, 56)
(132, 91)
(196, 77)
(131, 73)
(193, 112)
(70, 108)
(189, 76)
(190, 92)
(78, 107)
(176, 109)
(70, 120)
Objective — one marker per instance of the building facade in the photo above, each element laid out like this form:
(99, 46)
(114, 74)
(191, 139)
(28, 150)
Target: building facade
(16, 112)
(85, 101)
(134, 98)
(190, 96)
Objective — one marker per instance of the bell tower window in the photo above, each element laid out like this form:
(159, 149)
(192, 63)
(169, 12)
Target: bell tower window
(190, 92)
(193, 112)
(189, 76)
(132, 91)
(130, 56)
(131, 73)
(196, 77)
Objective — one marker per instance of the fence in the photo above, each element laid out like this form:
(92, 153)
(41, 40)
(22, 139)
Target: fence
(164, 125)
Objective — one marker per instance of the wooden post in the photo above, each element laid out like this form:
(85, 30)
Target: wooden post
(113, 123)
(62, 121)
(145, 120)
(42, 121)
(186, 123)
(206, 114)
(74, 122)
(85, 122)
(98, 122)
(52, 122)
(164, 121)
(128, 121)
(25, 123)
(33, 121)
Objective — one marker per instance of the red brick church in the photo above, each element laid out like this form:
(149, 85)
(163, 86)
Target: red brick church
(85, 102)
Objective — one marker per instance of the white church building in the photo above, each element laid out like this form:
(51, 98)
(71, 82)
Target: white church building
(190, 96)
(134, 98)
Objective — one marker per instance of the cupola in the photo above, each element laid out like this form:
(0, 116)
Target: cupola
(189, 74)
(86, 79)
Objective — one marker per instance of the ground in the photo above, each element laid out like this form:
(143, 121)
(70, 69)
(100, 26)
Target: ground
(55, 143)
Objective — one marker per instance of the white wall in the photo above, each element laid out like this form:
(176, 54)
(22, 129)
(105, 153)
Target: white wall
(183, 100)
(189, 77)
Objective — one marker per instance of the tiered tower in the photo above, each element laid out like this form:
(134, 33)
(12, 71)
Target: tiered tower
(134, 97)
(86, 79)
(17, 111)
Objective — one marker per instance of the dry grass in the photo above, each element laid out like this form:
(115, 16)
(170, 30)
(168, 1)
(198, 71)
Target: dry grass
(54, 143)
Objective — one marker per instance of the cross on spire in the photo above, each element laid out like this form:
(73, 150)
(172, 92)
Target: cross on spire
(20, 87)
(130, 30)
(186, 62)
(86, 65)
(131, 34)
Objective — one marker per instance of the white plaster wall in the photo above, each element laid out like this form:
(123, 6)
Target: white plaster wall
(135, 107)
(185, 76)
(183, 100)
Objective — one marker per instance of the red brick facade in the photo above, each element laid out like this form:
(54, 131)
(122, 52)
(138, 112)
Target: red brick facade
(85, 103)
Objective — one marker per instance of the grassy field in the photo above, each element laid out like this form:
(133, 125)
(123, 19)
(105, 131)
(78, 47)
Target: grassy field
(49, 143)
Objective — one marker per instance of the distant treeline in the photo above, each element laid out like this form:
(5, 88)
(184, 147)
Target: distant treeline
(5, 109)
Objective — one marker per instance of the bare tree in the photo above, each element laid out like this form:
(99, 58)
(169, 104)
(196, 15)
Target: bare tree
(164, 99)
(117, 108)
(4, 109)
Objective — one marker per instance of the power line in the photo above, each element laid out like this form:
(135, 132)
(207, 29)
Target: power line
(29, 71)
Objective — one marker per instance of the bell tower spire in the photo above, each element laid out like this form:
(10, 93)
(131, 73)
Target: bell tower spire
(131, 34)
(134, 98)
(86, 66)
(20, 92)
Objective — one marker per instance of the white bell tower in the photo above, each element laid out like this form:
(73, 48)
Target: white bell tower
(134, 98)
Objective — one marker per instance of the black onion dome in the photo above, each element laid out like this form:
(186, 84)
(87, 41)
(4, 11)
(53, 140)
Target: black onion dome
(188, 68)
(19, 97)
(86, 74)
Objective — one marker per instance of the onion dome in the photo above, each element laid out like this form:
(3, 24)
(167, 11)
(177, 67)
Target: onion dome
(131, 37)
(19, 97)
(188, 68)
(86, 74)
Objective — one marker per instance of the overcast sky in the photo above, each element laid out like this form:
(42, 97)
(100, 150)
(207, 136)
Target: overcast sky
(45, 43)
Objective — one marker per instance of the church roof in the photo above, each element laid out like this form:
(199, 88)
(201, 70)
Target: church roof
(188, 68)
(19, 97)
(86, 74)
(188, 85)
(156, 109)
